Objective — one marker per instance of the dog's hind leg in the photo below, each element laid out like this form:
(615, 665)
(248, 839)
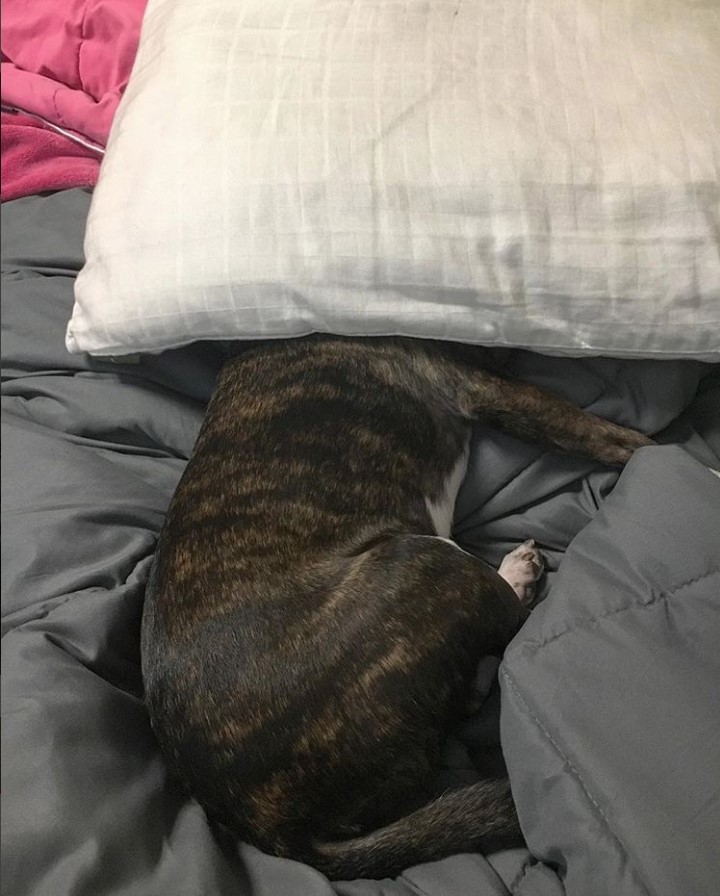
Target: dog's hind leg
(411, 619)
(438, 612)
(528, 413)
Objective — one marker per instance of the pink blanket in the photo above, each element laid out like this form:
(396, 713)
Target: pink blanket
(35, 159)
(67, 63)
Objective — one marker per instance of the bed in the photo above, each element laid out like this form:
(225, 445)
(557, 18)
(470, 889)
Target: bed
(604, 709)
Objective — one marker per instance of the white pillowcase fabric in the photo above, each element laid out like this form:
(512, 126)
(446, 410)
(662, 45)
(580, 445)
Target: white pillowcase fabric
(532, 173)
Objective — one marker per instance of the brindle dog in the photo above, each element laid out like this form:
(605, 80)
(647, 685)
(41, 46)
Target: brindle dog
(309, 633)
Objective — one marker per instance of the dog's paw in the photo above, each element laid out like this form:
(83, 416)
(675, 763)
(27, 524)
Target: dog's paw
(615, 445)
(521, 569)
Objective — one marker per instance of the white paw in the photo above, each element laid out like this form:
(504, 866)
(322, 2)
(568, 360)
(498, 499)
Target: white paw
(521, 569)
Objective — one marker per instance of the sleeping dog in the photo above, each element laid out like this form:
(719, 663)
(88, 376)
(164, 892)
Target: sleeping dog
(309, 632)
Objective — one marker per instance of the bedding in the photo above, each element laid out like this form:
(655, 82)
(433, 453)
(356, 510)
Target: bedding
(36, 159)
(502, 172)
(65, 65)
(68, 61)
(605, 713)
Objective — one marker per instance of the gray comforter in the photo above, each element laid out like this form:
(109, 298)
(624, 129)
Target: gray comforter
(608, 706)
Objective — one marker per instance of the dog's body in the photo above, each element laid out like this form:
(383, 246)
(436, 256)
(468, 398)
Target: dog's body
(309, 633)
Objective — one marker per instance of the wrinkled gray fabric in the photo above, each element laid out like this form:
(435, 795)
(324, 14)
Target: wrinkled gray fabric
(91, 453)
(611, 716)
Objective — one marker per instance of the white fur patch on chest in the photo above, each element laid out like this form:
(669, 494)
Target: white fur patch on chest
(442, 508)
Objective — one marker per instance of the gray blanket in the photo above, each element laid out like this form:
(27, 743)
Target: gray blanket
(608, 712)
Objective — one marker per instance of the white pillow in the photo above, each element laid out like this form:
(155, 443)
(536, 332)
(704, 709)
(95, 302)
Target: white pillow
(536, 173)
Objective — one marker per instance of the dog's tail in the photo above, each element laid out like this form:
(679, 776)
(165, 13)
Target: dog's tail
(478, 818)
